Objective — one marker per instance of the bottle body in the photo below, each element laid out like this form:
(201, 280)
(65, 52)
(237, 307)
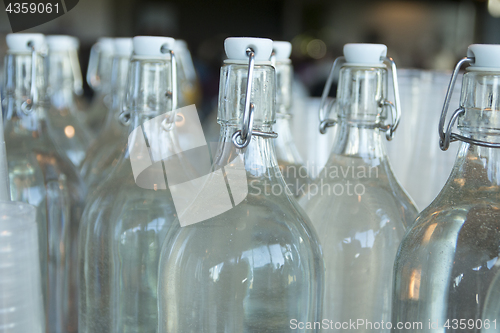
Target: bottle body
(446, 264)
(120, 241)
(257, 267)
(124, 224)
(357, 206)
(40, 176)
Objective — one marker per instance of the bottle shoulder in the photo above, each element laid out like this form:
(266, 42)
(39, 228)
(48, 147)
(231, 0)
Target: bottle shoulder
(253, 225)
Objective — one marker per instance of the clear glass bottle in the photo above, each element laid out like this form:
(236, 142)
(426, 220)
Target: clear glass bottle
(124, 224)
(356, 205)
(99, 79)
(43, 178)
(104, 153)
(252, 262)
(448, 260)
(290, 162)
(66, 128)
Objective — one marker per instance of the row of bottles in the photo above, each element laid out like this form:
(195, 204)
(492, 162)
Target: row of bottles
(234, 244)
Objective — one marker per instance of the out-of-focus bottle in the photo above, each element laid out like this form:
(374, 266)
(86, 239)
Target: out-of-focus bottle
(64, 81)
(21, 298)
(42, 177)
(104, 153)
(99, 79)
(190, 92)
(291, 165)
(247, 258)
(448, 260)
(356, 205)
(128, 216)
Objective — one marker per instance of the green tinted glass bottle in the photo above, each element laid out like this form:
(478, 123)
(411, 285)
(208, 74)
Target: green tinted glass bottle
(356, 204)
(448, 260)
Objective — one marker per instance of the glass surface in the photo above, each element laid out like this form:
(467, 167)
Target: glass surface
(255, 267)
(123, 224)
(290, 163)
(357, 206)
(105, 152)
(40, 176)
(21, 301)
(66, 128)
(99, 79)
(448, 260)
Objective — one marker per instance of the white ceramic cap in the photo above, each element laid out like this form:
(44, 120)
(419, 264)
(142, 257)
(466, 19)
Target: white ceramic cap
(282, 50)
(123, 46)
(236, 48)
(106, 45)
(487, 56)
(76, 42)
(61, 43)
(152, 46)
(19, 42)
(180, 44)
(364, 54)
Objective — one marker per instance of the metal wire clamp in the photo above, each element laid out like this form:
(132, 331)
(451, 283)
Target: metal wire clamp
(28, 106)
(324, 109)
(241, 138)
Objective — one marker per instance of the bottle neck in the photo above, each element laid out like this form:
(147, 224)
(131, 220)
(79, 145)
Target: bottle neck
(259, 155)
(19, 92)
(357, 141)
(119, 74)
(147, 97)
(361, 92)
(61, 81)
(478, 167)
(284, 77)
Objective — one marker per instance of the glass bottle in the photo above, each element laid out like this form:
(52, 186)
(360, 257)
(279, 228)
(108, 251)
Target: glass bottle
(247, 258)
(104, 153)
(356, 204)
(289, 160)
(66, 128)
(125, 220)
(21, 298)
(448, 260)
(42, 177)
(99, 79)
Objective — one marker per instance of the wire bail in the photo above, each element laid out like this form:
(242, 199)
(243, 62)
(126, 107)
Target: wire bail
(173, 93)
(241, 138)
(395, 108)
(29, 105)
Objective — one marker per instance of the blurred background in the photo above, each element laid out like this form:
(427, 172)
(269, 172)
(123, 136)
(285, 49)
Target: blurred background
(425, 38)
